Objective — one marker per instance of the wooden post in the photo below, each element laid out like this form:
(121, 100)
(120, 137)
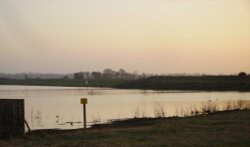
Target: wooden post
(27, 125)
(84, 101)
(84, 116)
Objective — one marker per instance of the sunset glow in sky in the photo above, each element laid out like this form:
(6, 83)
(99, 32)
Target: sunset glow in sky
(152, 36)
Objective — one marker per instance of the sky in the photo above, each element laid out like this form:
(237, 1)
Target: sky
(151, 36)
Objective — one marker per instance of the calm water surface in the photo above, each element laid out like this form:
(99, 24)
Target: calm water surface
(59, 107)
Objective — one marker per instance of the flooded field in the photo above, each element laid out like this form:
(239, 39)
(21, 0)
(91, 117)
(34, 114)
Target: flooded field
(59, 107)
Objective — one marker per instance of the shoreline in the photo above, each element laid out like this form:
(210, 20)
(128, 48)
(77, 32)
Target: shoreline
(216, 129)
(189, 83)
(137, 122)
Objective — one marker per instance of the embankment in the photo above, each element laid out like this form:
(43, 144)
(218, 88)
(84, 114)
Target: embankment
(228, 128)
(206, 83)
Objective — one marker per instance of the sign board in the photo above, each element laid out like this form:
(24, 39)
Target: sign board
(84, 100)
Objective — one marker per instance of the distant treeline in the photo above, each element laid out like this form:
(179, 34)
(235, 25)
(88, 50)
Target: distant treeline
(125, 80)
(35, 76)
(62, 82)
(86, 75)
(240, 82)
(110, 74)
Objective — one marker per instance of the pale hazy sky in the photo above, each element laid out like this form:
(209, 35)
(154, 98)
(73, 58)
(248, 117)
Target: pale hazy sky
(152, 36)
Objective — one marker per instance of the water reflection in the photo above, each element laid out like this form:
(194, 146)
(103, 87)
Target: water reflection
(59, 107)
(35, 119)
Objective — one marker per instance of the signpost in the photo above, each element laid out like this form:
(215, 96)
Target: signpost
(84, 101)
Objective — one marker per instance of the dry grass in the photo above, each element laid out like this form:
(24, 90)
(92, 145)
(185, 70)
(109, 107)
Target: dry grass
(207, 125)
(229, 128)
(159, 110)
(214, 106)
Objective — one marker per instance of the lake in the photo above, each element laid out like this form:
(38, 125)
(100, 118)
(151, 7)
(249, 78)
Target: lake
(60, 108)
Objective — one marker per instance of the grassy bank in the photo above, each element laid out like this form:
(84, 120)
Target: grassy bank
(62, 82)
(208, 83)
(228, 128)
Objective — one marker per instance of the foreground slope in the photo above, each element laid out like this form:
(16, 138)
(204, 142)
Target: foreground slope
(229, 128)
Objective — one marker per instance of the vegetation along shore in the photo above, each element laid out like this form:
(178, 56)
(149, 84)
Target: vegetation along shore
(206, 83)
(62, 82)
(223, 128)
